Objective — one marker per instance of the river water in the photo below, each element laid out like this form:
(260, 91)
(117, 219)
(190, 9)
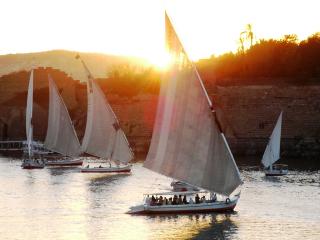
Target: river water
(57, 203)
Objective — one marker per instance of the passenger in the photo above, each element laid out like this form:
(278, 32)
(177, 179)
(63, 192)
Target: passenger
(160, 202)
(153, 201)
(191, 201)
(87, 166)
(175, 200)
(148, 200)
(184, 199)
(213, 197)
(180, 200)
(203, 199)
(100, 166)
(197, 199)
(170, 201)
(165, 201)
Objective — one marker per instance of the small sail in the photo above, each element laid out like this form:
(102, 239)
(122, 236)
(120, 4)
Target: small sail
(272, 152)
(61, 135)
(29, 125)
(103, 134)
(187, 144)
(121, 152)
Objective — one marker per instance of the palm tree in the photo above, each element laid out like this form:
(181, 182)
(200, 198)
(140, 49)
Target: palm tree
(246, 36)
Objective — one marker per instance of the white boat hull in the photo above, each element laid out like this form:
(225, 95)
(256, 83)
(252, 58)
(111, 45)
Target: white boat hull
(276, 172)
(65, 163)
(125, 169)
(184, 208)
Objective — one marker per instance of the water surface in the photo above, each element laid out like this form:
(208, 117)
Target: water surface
(62, 203)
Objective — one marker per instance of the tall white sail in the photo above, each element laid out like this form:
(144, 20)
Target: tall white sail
(103, 137)
(272, 152)
(61, 136)
(187, 143)
(29, 125)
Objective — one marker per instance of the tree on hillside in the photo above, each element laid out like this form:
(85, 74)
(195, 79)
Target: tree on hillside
(286, 58)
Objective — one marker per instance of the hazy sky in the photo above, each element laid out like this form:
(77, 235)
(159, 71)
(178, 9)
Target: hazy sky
(136, 27)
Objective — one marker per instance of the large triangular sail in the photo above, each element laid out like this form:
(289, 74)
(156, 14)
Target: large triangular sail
(61, 136)
(103, 136)
(29, 109)
(272, 152)
(187, 144)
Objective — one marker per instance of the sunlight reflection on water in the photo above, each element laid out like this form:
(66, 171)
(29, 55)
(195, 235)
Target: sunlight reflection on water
(66, 204)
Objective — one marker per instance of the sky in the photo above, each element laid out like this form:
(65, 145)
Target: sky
(136, 27)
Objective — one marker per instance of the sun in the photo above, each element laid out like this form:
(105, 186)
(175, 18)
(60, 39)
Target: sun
(160, 60)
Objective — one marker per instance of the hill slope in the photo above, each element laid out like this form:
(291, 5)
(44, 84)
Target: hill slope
(99, 64)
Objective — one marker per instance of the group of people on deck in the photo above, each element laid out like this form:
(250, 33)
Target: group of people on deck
(175, 200)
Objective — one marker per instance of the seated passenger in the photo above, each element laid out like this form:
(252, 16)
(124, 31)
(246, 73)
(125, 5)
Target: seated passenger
(184, 200)
(153, 201)
(175, 200)
(148, 200)
(197, 199)
(213, 197)
(160, 201)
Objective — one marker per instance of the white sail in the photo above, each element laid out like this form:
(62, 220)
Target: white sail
(29, 125)
(103, 134)
(272, 152)
(121, 152)
(61, 136)
(187, 144)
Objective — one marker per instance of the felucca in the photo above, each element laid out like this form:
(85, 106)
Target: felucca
(61, 136)
(188, 143)
(272, 153)
(103, 136)
(29, 161)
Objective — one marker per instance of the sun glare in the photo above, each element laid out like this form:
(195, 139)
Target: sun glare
(161, 60)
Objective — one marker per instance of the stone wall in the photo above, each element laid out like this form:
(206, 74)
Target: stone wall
(252, 112)
(249, 111)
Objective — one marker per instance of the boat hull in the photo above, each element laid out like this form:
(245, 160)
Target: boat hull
(64, 163)
(185, 208)
(125, 169)
(32, 165)
(276, 173)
